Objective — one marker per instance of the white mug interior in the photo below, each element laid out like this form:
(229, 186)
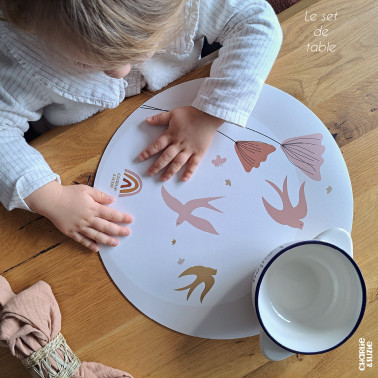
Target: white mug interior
(311, 297)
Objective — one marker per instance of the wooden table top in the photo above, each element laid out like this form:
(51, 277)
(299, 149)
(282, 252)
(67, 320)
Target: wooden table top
(340, 87)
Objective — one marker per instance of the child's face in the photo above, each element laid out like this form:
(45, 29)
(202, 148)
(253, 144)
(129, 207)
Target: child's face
(120, 72)
(117, 72)
(77, 61)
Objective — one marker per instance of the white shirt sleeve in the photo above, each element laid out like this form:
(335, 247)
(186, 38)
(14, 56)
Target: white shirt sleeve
(251, 37)
(22, 168)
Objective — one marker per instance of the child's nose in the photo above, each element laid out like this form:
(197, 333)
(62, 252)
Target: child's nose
(119, 73)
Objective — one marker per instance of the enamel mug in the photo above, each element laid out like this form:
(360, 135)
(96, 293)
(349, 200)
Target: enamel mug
(309, 296)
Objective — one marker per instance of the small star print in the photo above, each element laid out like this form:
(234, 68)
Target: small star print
(228, 182)
(173, 241)
(329, 189)
(180, 261)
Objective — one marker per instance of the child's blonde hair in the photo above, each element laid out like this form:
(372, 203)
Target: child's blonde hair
(107, 31)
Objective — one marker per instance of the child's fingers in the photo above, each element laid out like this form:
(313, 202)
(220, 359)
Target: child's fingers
(86, 242)
(158, 145)
(109, 228)
(114, 216)
(164, 159)
(191, 167)
(99, 196)
(175, 166)
(159, 119)
(99, 236)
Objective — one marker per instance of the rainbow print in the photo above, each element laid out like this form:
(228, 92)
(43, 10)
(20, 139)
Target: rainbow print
(132, 184)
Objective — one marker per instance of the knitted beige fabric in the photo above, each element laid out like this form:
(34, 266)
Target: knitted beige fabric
(55, 359)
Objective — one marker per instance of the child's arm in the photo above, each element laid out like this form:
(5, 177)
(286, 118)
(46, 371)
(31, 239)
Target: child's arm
(79, 211)
(26, 180)
(251, 36)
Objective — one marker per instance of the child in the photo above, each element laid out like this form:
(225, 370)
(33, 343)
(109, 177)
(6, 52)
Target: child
(66, 60)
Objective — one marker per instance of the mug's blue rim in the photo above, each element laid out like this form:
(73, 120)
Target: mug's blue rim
(291, 246)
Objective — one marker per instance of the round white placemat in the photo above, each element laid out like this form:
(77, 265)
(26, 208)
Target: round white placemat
(189, 265)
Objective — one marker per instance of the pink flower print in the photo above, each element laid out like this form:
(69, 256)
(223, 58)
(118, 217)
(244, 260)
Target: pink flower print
(305, 152)
(252, 154)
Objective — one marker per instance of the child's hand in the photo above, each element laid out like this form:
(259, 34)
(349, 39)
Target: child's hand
(189, 134)
(79, 211)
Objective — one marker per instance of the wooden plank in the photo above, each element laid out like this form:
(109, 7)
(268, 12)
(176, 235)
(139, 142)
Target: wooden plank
(313, 77)
(89, 301)
(352, 113)
(101, 325)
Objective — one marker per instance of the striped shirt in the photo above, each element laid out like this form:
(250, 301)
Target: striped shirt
(35, 82)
